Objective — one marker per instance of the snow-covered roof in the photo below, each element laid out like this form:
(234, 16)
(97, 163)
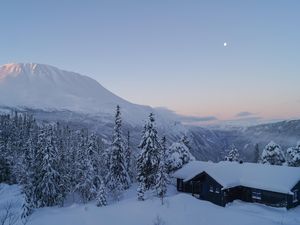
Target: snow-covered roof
(230, 174)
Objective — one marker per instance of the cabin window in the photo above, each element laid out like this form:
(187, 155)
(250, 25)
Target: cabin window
(256, 195)
(211, 188)
(295, 196)
(180, 185)
(217, 190)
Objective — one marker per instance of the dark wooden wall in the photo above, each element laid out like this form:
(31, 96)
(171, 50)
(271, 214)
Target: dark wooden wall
(200, 186)
(291, 203)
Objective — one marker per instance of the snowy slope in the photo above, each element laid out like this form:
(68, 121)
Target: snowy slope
(37, 86)
(179, 209)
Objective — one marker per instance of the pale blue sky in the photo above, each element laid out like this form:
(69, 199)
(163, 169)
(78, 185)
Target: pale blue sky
(168, 53)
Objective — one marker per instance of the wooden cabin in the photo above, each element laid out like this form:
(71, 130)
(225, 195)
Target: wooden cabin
(225, 182)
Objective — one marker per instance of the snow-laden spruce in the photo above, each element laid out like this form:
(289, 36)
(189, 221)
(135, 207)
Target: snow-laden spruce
(141, 189)
(178, 155)
(101, 195)
(85, 173)
(47, 182)
(49, 161)
(233, 155)
(118, 179)
(293, 155)
(162, 177)
(148, 160)
(27, 176)
(272, 154)
(129, 159)
(186, 141)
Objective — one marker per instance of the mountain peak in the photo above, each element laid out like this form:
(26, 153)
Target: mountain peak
(26, 68)
(19, 66)
(39, 86)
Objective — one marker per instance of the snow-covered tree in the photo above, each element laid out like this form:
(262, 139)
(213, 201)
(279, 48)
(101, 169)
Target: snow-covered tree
(118, 178)
(95, 154)
(162, 177)
(233, 155)
(141, 191)
(62, 137)
(49, 178)
(128, 157)
(4, 169)
(86, 186)
(72, 161)
(94, 150)
(293, 156)
(148, 160)
(27, 181)
(101, 195)
(272, 154)
(27, 207)
(85, 173)
(185, 140)
(178, 155)
(49, 161)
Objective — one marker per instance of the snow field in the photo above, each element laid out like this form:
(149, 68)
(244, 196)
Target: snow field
(179, 209)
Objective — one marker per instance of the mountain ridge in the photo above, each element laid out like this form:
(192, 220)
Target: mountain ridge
(40, 86)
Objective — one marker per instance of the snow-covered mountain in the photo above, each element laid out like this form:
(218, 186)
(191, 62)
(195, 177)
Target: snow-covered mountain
(51, 94)
(212, 144)
(38, 86)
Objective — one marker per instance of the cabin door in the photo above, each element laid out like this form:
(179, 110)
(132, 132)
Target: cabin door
(197, 188)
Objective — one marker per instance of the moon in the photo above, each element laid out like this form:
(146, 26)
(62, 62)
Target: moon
(225, 44)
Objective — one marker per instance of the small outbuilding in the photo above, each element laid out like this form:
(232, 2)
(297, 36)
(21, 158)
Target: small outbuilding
(225, 182)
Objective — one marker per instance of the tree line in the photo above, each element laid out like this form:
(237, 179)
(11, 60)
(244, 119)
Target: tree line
(272, 154)
(52, 161)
